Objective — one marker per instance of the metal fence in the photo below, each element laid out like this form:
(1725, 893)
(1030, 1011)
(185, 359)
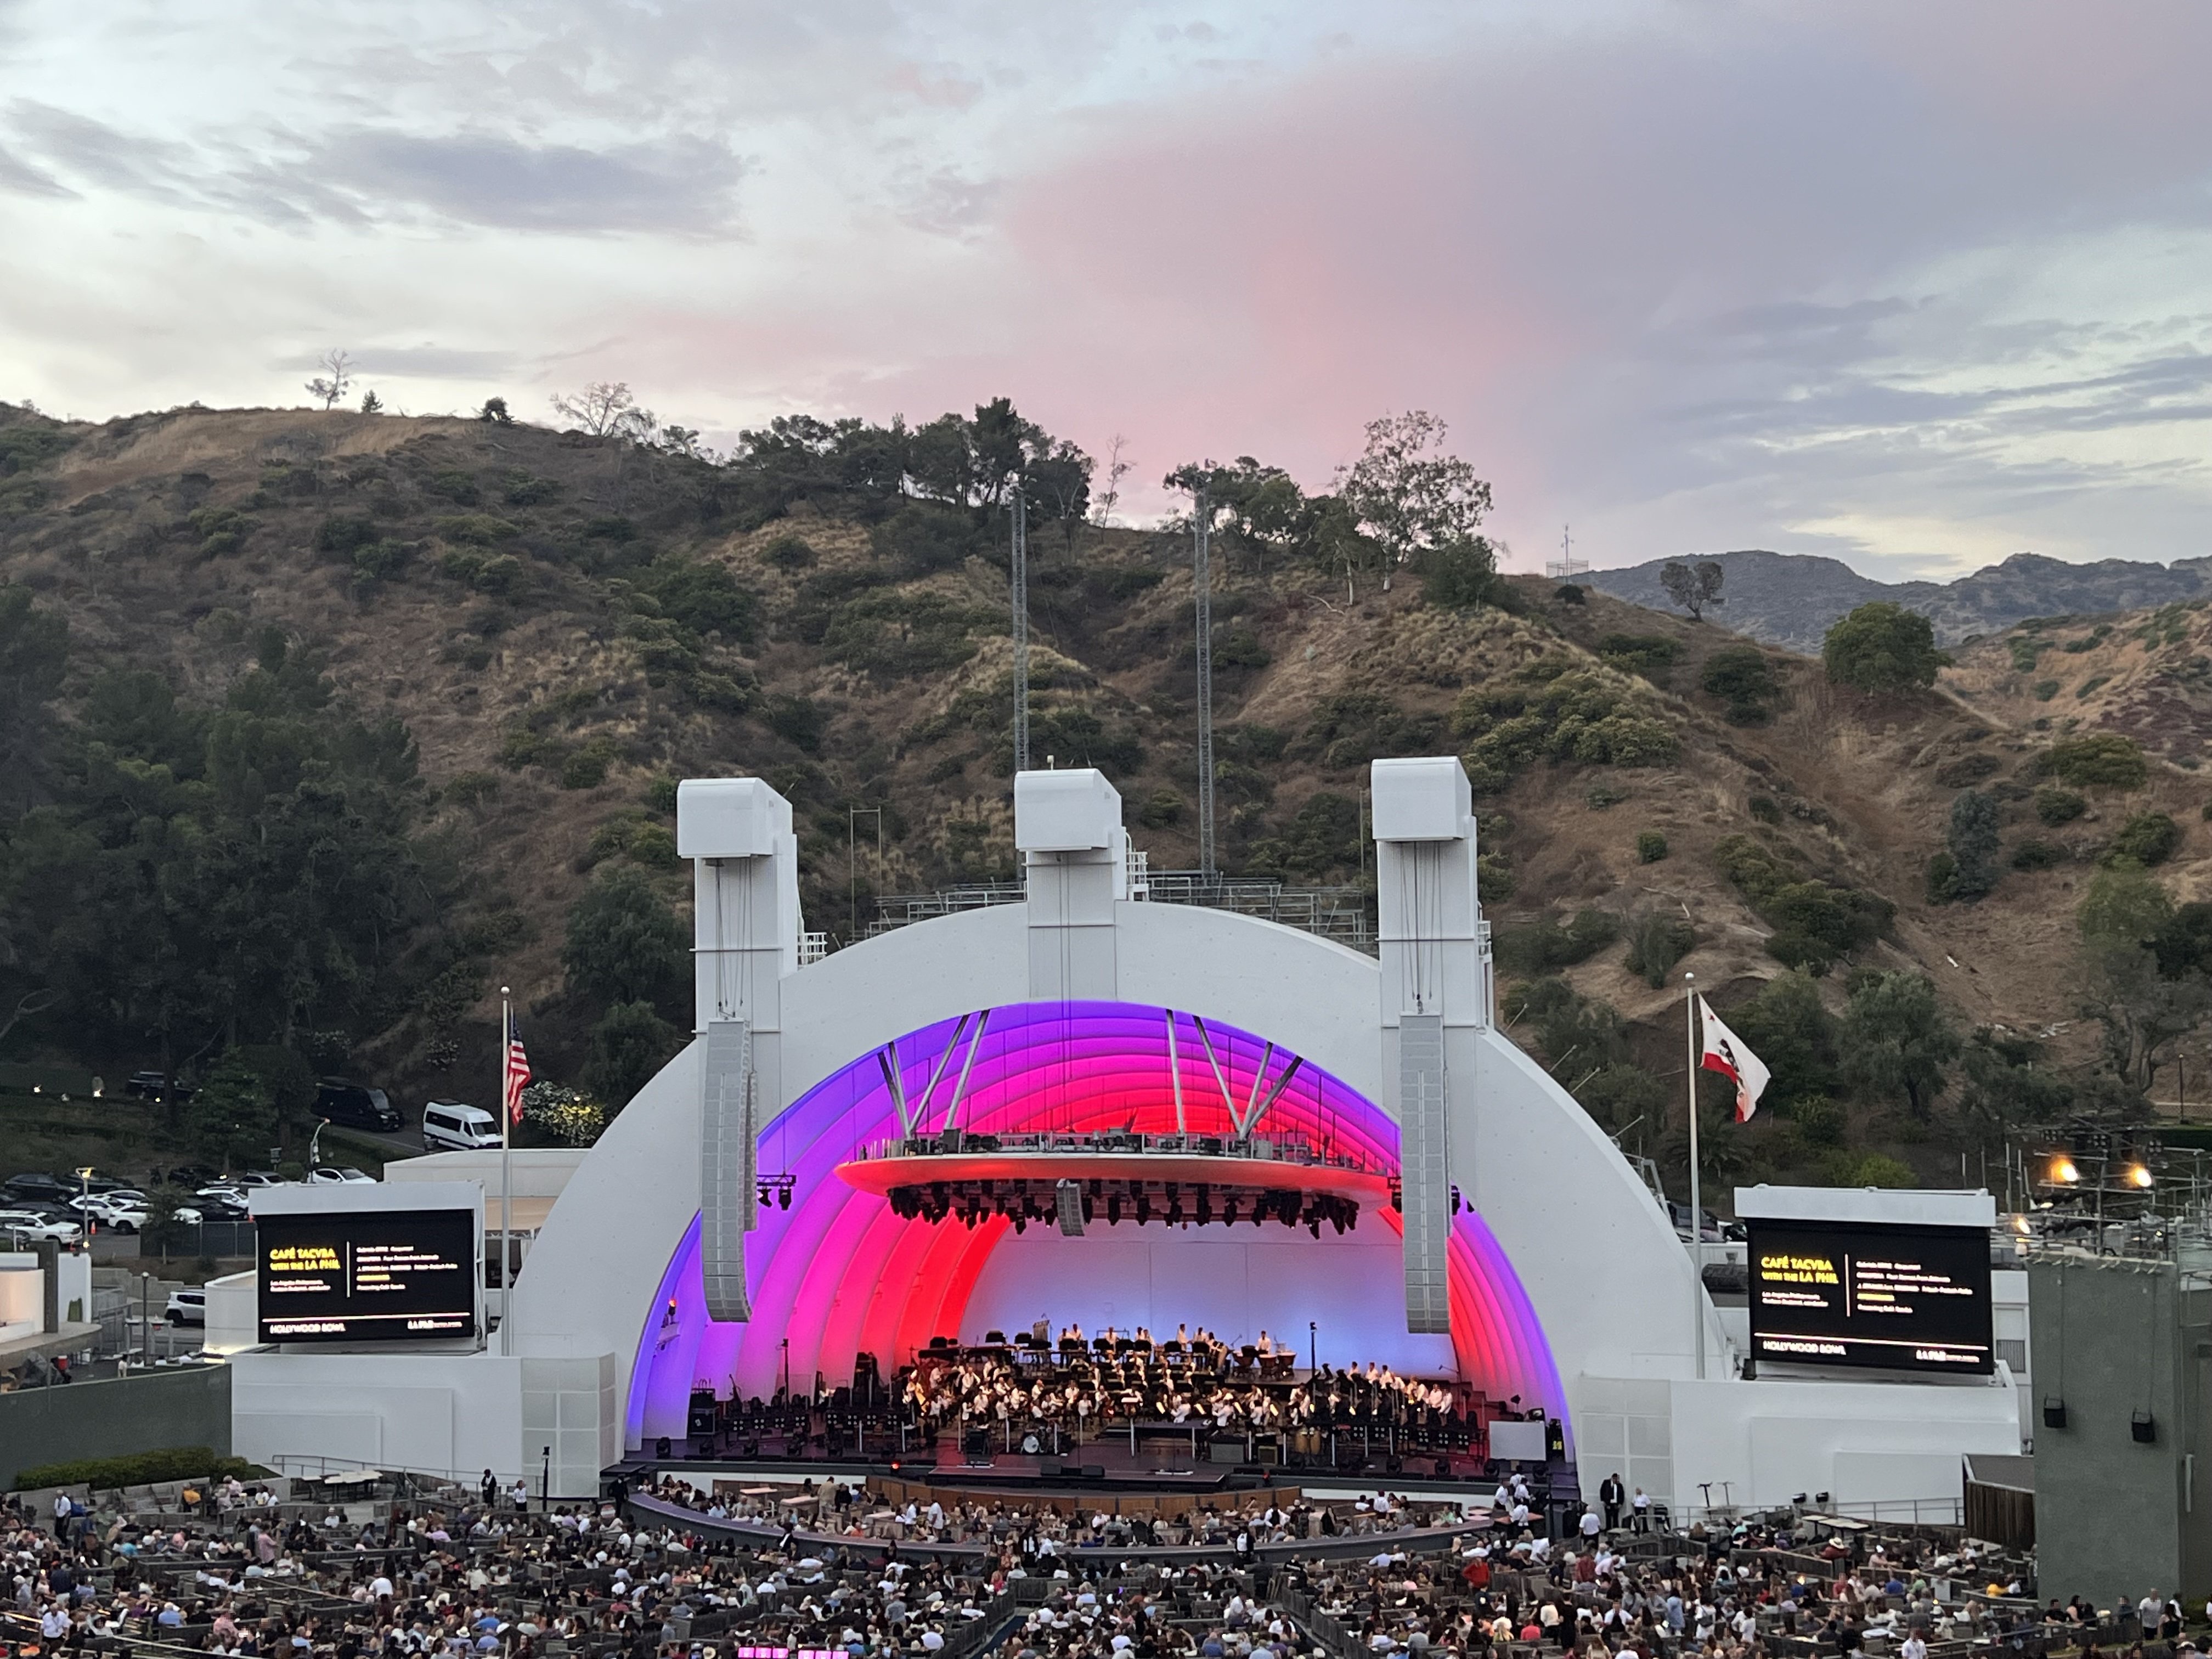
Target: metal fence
(1889, 1511)
(177, 1241)
(1342, 914)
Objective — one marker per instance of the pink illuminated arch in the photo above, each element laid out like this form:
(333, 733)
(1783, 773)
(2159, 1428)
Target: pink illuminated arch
(837, 1273)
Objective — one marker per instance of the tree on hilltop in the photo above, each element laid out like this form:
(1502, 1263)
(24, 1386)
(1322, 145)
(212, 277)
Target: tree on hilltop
(1694, 587)
(335, 380)
(1412, 496)
(605, 408)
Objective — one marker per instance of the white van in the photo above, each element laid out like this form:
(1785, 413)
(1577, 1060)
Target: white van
(450, 1126)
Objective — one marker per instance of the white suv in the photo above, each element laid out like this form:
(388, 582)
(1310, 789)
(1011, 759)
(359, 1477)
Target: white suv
(29, 1224)
(187, 1308)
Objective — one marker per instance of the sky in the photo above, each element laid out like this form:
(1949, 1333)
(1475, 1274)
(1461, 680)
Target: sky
(1915, 285)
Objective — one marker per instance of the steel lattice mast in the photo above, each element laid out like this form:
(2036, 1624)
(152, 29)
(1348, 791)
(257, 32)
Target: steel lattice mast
(1019, 507)
(1202, 583)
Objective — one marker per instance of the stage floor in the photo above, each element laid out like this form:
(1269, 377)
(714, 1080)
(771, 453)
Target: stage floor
(1093, 1465)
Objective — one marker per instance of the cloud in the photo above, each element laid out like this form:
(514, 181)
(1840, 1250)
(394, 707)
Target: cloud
(20, 178)
(363, 175)
(1691, 277)
(683, 186)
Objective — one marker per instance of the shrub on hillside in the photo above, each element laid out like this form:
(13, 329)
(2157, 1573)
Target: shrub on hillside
(797, 719)
(341, 532)
(1494, 880)
(1743, 678)
(2036, 853)
(1650, 846)
(2101, 760)
(1595, 716)
(1972, 844)
(1544, 946)
(1459, 575)
(1848, 1169)
(1786, 1025)
(1323, 835)
(788, 553)
(1655, 943)
(477, 529)
(1618, 1094)
(1161, 810)
(892, 635)
(923, 537)
(1967, 770)
(1815, 922)
(1882, 647)
(2055, 806)
(1648, 654)
(1350, 728)
(1942, 871)
(2146, 839)
(1566, 1022)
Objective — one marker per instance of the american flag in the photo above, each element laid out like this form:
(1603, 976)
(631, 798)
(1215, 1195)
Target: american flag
(517, 1073)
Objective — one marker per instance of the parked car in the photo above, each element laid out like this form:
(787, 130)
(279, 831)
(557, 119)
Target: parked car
(192, 1176)
(150, 1085)
(356, 1105)
(101, 1207)
(187, 1308)
(36, 1225)
(36, 1185)
(187, 1215)
(227, 1200)
(449, 1126)
(331, 1176)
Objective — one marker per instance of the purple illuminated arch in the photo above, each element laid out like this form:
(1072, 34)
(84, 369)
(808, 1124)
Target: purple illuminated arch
(837, 1273)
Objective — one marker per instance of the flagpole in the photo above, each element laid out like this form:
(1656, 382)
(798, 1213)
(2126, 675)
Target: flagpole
(1697, 1213)
(505, 1183)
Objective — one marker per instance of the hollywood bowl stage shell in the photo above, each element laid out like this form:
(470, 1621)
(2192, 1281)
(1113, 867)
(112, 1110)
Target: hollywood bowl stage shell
(1520, 1253)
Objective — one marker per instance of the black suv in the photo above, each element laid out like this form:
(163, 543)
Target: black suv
(356, 1105)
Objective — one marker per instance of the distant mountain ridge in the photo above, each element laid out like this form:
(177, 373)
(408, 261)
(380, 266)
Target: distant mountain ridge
(1792, 598)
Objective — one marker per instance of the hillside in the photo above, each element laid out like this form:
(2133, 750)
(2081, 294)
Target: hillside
(564, 624)
(1792, 599)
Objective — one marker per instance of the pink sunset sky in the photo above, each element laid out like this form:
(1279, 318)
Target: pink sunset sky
(1916, 286)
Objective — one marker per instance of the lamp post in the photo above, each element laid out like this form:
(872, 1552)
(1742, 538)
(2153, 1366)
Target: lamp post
(84, 1200)
(1313, 1347)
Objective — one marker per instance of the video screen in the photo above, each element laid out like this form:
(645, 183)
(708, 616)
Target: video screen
(367, 1275)
(1851, 1293)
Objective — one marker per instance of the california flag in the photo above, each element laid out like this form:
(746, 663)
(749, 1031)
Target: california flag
(1728, 1054)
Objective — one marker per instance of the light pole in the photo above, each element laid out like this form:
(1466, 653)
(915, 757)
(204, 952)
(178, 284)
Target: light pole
(1313, 1347)
(84, 1200)
(315, 1143)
